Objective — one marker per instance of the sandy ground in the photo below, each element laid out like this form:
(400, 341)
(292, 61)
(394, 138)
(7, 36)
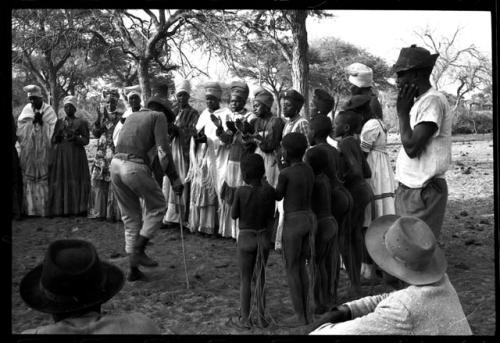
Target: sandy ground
(213, 297)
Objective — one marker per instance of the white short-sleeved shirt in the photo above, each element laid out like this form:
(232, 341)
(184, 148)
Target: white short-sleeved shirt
(432, 106)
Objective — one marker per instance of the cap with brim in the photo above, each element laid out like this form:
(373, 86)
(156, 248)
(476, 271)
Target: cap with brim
(360, 75)
(41, 300)
(83, 282)
(159, 100)
(406, 248)
(414, 57)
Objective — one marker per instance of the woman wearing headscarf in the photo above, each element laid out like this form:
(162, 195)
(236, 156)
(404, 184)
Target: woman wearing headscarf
(69, 174)
(208, 160)
(233, 138)
(35, 126)
(102, 203)
(268, 128)
(180, 131)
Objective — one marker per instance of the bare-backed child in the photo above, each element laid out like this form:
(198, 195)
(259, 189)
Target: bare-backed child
(295, 184)
(326, 238)
(357, 170)
(254, 206)
(320, 129)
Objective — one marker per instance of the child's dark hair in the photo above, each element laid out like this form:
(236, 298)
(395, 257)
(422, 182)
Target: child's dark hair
(252, 166)
(295, 144)
(354, 119)
(317, 159)
(322, 126)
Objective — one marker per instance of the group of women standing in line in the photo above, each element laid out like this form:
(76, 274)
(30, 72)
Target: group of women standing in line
(55, 179)
(207, 149)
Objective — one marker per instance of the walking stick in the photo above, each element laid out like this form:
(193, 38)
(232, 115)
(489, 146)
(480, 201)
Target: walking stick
(181, 217)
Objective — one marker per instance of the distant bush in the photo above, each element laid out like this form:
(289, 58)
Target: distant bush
(474, 122)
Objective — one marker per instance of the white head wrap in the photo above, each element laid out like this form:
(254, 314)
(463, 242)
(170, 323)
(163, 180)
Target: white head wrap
(33, 90)
(360, 75)
(183, 86)
(133, 90)
(70, 99)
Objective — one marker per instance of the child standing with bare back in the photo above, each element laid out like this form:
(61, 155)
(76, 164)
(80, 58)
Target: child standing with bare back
(295, 185)
(357, 170)
(254, 206)
(326, 240)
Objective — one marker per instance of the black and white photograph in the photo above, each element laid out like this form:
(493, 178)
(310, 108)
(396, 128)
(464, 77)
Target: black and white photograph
(252, 172)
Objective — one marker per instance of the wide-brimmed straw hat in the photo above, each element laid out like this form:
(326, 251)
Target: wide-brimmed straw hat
(71, 278)
(414, 57)
(406, 248)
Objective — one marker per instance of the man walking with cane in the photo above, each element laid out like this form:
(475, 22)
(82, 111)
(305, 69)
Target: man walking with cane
(132, 179)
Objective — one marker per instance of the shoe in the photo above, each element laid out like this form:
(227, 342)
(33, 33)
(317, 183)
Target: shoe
(135, 274)
(139, 255)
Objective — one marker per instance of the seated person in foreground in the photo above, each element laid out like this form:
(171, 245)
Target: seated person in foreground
(406, 248)
(71, 284)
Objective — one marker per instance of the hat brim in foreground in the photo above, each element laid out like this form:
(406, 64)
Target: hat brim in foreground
(375, 245)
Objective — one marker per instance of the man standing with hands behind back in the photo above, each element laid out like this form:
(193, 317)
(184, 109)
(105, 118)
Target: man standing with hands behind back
(425, 123)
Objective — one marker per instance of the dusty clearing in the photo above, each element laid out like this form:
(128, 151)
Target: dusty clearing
(467, 239)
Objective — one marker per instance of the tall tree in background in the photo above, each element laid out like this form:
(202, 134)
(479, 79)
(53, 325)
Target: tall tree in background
(464, 67)
(227, 31)
(329, 58)
(43, 42)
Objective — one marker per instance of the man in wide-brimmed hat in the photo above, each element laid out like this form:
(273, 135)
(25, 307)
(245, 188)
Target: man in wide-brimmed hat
(132, 179)
(425, 123)
(71, 284)
(405, 248)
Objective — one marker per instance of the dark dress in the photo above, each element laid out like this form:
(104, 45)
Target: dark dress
(69, 174)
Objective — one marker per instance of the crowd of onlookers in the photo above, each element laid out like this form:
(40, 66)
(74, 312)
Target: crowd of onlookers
(321, 191)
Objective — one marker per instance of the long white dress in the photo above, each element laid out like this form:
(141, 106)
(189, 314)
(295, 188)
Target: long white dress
(374, 141)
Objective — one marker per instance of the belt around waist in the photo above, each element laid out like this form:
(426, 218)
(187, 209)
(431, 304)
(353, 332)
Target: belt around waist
(129, 157)
(434, 179)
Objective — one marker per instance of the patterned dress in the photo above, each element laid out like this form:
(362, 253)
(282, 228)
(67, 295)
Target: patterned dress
(102, 202)
(69, 173)
(35, 150)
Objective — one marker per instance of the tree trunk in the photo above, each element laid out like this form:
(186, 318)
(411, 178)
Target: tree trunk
(144, 80)
(53, 97)
(300, 64)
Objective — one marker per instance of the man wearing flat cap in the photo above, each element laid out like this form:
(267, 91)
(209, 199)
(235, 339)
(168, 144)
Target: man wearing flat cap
(238, 128)
(208, 160)
(71, 284)
(35, 127)
(425, 123)
(268, 129)
(132, 179)
(405, 248)
(180, 133)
